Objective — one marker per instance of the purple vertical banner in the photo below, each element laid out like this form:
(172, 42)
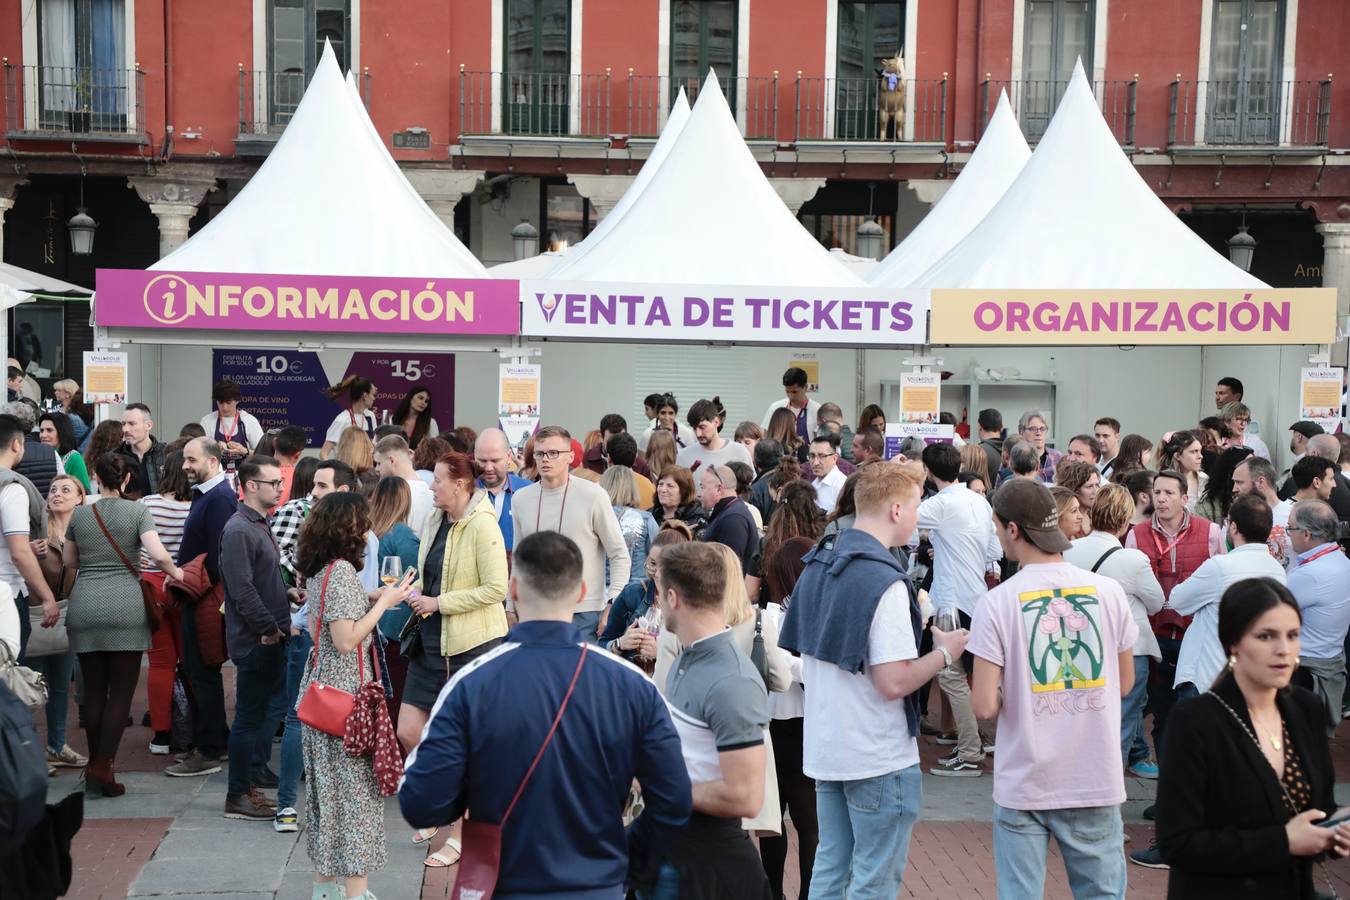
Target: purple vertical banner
(397, 374)
(280, 388)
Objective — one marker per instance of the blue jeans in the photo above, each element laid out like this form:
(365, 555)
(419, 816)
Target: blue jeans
(865, 827)
(1132, 745)
(209, 731)
(292, 763)
(258, 677)
(667, 885)
(57, 668)
(589, 623)
(1090, 841)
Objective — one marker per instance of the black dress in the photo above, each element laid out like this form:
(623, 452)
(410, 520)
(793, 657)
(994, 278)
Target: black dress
(1221, 808)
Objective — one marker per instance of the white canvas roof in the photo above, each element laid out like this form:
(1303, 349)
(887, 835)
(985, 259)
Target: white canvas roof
(1080, 216)
(329, 200)
(543, 264)
(998, 158)
(24, 282)
(708, 216)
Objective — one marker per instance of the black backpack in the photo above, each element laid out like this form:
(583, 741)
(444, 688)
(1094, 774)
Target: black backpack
(23, 772)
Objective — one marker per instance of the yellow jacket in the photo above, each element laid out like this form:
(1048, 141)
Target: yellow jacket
(473, 576)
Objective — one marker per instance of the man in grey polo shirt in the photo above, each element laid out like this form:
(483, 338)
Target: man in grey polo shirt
(721, 711)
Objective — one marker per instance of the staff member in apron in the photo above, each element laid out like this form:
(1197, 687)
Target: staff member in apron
(359, 395)
(237, 431)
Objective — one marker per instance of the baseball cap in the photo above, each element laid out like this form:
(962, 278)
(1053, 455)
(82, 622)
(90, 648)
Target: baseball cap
(1029, 504)
(1307, 429)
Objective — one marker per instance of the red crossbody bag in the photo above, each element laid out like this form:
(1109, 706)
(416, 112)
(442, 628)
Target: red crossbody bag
(481, 857)
(325, 707)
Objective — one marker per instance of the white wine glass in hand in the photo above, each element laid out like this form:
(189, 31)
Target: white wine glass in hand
(391, 570)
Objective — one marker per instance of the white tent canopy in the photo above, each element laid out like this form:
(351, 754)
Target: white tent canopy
(998, 158)
(708, 216)
(23, 281)
(543, 264)
(1080, 216)
(329, 200)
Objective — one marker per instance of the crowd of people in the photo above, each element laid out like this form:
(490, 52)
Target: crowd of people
(684, 638)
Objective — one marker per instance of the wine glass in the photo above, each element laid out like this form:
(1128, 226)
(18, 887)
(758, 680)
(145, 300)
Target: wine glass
(391, 569)
(947, 619)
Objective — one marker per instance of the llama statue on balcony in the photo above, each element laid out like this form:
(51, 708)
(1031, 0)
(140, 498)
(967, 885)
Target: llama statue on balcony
(891, 96)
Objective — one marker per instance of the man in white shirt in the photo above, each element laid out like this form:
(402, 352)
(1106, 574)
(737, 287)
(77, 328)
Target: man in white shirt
(1107, 432)
(23, 519)
(1255, 475)
(960, 526)
(394, 458)
(710, 448)
(1202, 657)
(826, 477)
(854, 622)
(802, 406)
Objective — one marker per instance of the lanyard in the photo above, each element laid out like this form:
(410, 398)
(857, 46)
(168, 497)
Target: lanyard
(364, 426)
(539, 511)
(1320, 553)
(1172, 544)
(220, 428)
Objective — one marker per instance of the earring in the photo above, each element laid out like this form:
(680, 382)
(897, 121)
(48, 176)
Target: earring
(1298, 660)
(1232, 661)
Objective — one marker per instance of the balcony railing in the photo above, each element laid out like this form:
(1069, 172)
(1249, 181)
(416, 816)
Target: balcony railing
(1035, 102)
(535, 103)
(267, 100)
(1249, 113)
(753, 100)
(850, 109)
(73, 102)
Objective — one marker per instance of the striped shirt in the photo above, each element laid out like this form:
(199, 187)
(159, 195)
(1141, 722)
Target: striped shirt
(170, 516)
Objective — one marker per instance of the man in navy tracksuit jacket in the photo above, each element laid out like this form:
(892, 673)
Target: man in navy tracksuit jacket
(565, 838)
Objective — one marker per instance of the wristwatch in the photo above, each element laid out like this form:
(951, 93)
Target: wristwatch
(946, 655)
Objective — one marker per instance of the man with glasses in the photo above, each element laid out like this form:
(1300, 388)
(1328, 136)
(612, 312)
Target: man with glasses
(730, 521)
(257, 620)
(1318, 584)
(580, 510)
(827, 478)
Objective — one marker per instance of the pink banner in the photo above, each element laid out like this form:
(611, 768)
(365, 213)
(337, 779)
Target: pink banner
(132, 298)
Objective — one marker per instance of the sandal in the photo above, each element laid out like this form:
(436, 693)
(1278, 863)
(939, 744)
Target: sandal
(441, 859)
(422, 835)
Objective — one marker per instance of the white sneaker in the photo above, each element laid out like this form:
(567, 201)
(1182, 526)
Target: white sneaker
(159, 749)
(286, 820)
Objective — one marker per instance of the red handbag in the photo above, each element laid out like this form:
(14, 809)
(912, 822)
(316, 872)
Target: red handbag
(150, 592)
(325, 707)
(481, 842)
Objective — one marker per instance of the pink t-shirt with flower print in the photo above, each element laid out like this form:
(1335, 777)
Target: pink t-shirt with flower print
(1058, 632)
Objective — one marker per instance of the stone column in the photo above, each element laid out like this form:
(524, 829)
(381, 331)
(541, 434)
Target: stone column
(604, 191)
(173, 197)
(9, 186)
(796, 191)
(442, 189)
(1336, 274)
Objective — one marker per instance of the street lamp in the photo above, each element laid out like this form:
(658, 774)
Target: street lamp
(526, 239)
(871, 237)
(81, 227)
(1242, 247)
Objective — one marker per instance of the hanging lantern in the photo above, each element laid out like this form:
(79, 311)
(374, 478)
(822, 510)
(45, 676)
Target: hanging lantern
(525, 237)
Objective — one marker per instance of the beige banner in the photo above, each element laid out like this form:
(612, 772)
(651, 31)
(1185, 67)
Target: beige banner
(1273, 316)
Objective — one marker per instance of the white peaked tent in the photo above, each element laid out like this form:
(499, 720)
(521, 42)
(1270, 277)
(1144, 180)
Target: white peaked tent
(998, 158)
(544, 264)
(708, 216)
(329, 200)
(1080, 216)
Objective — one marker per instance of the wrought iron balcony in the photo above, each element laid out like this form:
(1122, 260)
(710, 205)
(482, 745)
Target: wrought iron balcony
(267, 100)
(1249, 114)
(867, 109)
(753, 99)
(1035, 103)
(536, 104)
(74, 102)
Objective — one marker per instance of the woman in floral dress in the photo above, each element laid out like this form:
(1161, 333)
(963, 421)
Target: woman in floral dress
(345, 811)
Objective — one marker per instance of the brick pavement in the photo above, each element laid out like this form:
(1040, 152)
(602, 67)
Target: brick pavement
(951, 852)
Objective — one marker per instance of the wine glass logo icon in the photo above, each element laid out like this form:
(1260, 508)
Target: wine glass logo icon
(165, 299)
(548, 304)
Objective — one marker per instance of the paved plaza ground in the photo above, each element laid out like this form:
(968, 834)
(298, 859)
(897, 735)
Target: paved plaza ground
(167, 838)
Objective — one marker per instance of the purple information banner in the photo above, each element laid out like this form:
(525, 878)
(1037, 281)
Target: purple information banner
(132, 298)
(396, 375)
